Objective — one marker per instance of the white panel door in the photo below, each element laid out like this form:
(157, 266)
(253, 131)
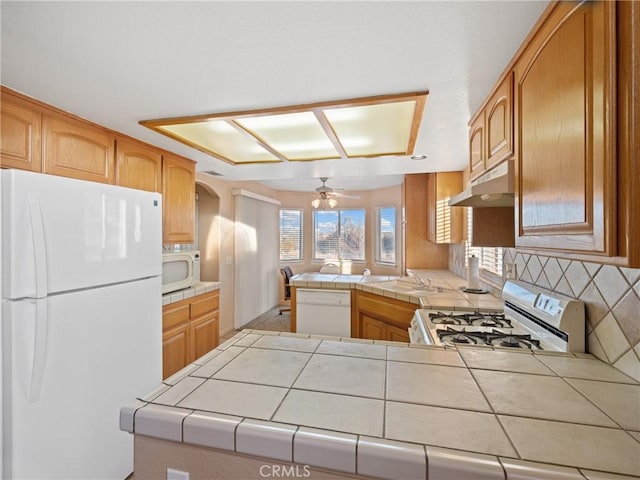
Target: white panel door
(62, 234)
(71, 362)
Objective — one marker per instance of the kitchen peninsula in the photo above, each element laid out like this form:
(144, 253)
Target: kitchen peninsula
(382, 306)
(334, 407)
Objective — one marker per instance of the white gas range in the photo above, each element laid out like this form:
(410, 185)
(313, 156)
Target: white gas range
(532, 319)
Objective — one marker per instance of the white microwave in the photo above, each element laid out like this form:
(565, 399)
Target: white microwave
(180, 270)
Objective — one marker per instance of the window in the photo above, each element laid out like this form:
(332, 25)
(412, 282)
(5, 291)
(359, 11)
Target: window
(490, 257)
(338, 234)
(290, 234)
(386, 235)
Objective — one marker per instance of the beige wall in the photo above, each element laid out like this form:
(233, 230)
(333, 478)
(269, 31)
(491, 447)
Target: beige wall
(225, 230)
(208, 233)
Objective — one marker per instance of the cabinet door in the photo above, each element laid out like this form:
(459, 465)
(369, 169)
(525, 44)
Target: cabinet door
(566, 159)
(372, 329)
(178, 192)
(499, 123)
(477, 153)
(445, 223)
(396, 334)
(176, 350)
(138, 166)
(77, 150)
(20, 135)
(204, 335)
(419, 252)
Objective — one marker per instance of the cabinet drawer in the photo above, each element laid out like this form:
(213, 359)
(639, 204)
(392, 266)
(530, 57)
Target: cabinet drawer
(200, 306)
(175, 315)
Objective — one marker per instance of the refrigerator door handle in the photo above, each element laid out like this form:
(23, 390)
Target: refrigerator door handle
(39, 246)
(39, 351)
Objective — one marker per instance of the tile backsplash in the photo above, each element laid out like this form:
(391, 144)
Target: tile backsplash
(611, 295)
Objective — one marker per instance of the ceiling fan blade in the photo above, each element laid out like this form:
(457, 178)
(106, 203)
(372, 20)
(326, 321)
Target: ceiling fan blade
(344, 195)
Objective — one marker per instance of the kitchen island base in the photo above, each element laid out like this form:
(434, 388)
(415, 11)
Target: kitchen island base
(153, 456)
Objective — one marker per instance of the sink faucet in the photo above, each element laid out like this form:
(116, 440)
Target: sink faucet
(418, 281)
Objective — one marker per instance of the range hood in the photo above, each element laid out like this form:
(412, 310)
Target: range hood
(493, 189)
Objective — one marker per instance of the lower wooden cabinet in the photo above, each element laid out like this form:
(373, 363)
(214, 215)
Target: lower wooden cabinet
(381, 318)
(189, 330)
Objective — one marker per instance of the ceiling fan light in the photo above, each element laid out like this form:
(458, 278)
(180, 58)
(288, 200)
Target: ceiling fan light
(324, 203)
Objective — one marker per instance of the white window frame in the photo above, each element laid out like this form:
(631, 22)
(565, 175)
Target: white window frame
(339, 257)
(378, 235)
(300, 239)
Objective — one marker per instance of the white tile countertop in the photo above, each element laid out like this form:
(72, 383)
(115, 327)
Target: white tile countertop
(390, 410)
(442, 289)
(197, 289)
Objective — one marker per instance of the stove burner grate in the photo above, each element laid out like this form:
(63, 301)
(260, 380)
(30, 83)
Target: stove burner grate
(477, 319)
(512, 340)
(493, 338)
(460, 336)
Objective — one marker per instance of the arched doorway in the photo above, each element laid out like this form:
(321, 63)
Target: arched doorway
(208, 232)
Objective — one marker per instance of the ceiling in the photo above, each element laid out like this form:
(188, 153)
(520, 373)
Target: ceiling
(116, 63)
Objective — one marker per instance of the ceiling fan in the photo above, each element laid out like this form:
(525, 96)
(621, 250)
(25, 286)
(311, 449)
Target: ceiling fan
(325, 198)
(326, 192)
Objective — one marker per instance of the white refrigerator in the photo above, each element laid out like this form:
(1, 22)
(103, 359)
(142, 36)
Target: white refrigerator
(81, 325)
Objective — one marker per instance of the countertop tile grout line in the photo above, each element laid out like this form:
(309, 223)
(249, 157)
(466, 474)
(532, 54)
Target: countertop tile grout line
(290, 388)
(583, 395)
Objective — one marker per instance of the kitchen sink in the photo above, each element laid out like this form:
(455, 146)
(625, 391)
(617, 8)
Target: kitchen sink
(408, 284)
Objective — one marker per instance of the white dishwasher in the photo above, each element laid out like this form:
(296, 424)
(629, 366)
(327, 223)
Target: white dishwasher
(323, 312)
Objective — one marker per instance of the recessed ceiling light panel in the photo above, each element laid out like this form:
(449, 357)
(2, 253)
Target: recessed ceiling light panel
(363, 127)
(297, 136)
(220, 139)
(373, 130)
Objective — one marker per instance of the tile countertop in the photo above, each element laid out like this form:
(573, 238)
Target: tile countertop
(449, 297)
(198, 289)
(390, 410)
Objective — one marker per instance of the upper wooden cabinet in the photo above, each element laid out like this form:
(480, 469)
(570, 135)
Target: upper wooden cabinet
(477, 150)
(20, 134)
(138, 166)
(178, 192)
(491, 130)
(444, 223)
(419, 252)
(499, 123)
(566, 115)
(76, 149)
